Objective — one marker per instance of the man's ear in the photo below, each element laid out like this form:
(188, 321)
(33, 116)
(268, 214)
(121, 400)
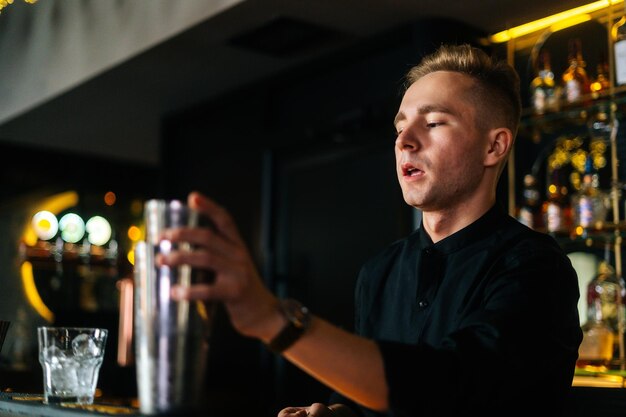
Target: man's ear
(500, 143)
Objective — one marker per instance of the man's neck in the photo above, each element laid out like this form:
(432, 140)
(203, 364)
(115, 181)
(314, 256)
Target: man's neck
(443, 223)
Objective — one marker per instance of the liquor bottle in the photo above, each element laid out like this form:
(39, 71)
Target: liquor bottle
(542, 87)
(618, 34)
(530, 210)
(601, 83)
(575, 78)
(605, 301)
(590, 204)
(556, 210)
(599, 125)
(597, 346)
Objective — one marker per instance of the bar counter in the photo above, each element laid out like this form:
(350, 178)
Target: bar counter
(31, 405)
(592, 395)
(17, 404)
(596, 401)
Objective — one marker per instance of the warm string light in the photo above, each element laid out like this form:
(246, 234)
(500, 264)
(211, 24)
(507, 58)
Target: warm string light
(5, 3)
(555, 22)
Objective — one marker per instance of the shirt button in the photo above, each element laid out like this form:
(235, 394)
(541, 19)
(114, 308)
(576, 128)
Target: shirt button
(428, 251)
(423, 304)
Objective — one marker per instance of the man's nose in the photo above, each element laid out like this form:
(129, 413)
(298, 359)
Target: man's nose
(407, 139)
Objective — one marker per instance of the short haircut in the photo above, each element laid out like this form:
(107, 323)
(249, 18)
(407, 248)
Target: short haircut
(498, 86)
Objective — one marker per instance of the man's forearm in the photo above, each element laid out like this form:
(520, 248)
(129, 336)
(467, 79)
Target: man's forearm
(349, 364)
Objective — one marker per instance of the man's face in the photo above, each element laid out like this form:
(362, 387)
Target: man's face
(439, 149)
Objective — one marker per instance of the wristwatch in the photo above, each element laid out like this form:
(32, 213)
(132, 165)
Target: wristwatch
(298, 321)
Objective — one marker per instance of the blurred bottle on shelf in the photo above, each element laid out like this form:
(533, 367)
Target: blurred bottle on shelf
(599, 124)
(543, 86)
(600, 127)
(589, 204)
(596, 349)
(605, 303)
(556, 211)
(530, 209)
(575, 79)
(601, 83)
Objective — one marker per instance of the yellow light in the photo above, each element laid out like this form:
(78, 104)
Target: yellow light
(45, 225)
(131, 256)
(55, 205)
(28, 281)
(202, 311)
(572, 21)
(134, 233)
(555, 22)
(5, 3)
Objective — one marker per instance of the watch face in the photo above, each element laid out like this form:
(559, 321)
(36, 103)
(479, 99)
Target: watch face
(298, 320)
(296, 313)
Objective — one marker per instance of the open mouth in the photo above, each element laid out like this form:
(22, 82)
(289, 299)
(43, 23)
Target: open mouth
(410, 171)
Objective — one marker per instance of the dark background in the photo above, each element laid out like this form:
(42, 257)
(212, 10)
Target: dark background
(306, 166)
(304, 162)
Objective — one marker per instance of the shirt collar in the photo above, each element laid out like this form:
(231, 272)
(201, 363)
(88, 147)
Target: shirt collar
(478, 230)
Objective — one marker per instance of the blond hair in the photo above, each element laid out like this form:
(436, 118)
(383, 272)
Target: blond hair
(497, 95)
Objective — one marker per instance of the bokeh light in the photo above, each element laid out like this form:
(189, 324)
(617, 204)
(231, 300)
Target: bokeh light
(98, 230)
(45, 224)
(136, 207)
(134, 233)
(110, 198)
(72, 227)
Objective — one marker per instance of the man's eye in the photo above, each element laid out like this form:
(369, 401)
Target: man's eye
(433, 124)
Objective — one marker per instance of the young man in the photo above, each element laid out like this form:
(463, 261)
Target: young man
(473, 313)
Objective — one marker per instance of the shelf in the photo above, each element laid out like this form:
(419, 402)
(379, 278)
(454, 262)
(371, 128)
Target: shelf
(604, 379)
(576, 113)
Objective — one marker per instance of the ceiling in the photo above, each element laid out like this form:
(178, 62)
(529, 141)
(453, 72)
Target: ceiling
(116, 114)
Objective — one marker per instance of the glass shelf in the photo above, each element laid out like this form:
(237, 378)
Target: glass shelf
(577, 113)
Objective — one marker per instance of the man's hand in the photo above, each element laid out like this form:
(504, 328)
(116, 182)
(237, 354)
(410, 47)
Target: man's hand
(251, 306)
(317, 410)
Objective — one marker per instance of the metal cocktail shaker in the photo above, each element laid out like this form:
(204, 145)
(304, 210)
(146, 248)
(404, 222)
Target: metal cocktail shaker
(171, 337)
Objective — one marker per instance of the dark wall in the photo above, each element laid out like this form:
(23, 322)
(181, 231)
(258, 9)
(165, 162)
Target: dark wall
(305, 164)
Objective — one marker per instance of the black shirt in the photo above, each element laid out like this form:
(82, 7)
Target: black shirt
(483, 322)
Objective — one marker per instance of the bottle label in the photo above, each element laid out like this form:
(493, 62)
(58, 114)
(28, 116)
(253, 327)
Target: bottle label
(585, 208)
(539, 100)
(620, 61)
(573, 90)
(554, 218)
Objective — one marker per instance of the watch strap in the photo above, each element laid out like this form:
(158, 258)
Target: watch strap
(298, 318)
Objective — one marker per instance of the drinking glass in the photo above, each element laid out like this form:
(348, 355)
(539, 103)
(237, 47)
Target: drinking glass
(71, 359)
